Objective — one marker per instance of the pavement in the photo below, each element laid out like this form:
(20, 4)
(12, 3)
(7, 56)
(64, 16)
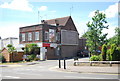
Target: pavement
(86, 68)
(71, 68)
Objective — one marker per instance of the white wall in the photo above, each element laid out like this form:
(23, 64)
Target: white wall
(0, 44)
(12, 41)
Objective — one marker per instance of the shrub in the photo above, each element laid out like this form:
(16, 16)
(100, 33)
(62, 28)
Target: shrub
(114, 52)
(109, 56)
(118, 53)
(95, 58)
(2, 59)
(104, 51)
(36, 59)
(31, 57)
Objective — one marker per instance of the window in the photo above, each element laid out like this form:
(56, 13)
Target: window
(36, 35)
(58, 36)
(52, 35)
(46, 35)
(29, 36)
(23, 36)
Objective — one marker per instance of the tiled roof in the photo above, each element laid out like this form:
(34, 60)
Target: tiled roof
(62, 21)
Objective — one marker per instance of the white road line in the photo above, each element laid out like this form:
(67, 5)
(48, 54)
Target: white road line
(11, 77)
(82, 77)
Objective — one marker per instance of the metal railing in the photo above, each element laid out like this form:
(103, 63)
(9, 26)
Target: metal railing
(91, 62)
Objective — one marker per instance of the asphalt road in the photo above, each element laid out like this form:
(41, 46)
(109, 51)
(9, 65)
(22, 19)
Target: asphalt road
(43, 70)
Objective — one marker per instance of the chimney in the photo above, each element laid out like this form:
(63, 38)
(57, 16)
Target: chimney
(57, 22)
(43, 21)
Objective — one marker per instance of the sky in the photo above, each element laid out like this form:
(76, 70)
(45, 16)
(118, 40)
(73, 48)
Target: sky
(19, 13)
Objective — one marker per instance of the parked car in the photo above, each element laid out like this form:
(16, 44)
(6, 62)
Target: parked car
(98, 52)
(84, 53)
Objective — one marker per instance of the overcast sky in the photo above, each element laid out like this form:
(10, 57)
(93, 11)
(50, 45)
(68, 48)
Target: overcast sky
(19, 13)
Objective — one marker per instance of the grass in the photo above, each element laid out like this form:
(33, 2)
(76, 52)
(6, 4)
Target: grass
(8, 63)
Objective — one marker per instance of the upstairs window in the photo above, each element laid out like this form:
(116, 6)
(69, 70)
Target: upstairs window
(29, 36)
(46, 35)
(58, 36)
(36, 35)
(23, 36)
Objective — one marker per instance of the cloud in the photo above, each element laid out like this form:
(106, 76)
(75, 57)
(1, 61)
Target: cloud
(110, 12)
(22, 5)
(43, 8)
(11, 29)
(110, 31)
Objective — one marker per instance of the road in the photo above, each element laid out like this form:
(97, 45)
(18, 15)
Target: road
(44, 70)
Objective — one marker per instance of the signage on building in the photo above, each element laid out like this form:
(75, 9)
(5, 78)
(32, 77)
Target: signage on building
(51, 35)
(46, 45)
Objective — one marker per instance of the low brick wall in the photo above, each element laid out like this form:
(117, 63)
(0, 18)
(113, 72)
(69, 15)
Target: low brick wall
(12, 57)
(16, 57)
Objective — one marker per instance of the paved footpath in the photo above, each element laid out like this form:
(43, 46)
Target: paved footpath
(106, 69)
(71, 68)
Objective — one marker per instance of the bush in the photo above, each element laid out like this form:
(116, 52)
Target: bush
(104, 51)
(31, 57)
(109, 56)
(118, 53)
(36, 59)
(2, 59)
(95, 58)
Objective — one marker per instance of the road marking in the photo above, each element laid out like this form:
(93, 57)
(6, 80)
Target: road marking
(11, 77)
(99, 73)
(82, 77)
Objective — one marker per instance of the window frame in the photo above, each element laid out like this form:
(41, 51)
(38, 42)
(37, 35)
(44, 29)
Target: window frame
(46, 35)
(23, 36)
(29, 36)
(37, 36)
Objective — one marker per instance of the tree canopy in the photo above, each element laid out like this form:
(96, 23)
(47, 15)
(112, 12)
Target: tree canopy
(94, 35)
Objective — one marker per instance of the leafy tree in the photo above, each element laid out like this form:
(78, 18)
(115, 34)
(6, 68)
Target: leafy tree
(95, 37)
(31, 49)
(117, 31)
(11, 50)
(115, 52)
(115, 39)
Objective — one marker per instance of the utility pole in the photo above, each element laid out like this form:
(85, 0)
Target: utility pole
(38, 16)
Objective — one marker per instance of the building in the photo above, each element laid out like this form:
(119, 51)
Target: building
(56, 37)
(10, 40)
(17, 56)
(82, 44)
(0, 43)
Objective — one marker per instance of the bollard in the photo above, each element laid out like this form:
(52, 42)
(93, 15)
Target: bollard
(59, 64)
(64, 64)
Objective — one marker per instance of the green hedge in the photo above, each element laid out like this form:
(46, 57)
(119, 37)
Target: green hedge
(96, 58)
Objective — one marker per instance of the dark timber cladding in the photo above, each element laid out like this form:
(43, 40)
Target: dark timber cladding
(53, 35)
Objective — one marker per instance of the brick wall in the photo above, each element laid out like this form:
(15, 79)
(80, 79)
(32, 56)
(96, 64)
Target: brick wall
(6, 54)
(12, 57)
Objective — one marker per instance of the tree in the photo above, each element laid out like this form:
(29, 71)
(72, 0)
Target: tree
(95, 37)
(31, 49)
(115, 39)
(117, 31)
(11, 50)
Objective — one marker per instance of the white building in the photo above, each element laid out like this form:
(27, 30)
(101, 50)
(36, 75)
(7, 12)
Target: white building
(0, 43)
(10, 40)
